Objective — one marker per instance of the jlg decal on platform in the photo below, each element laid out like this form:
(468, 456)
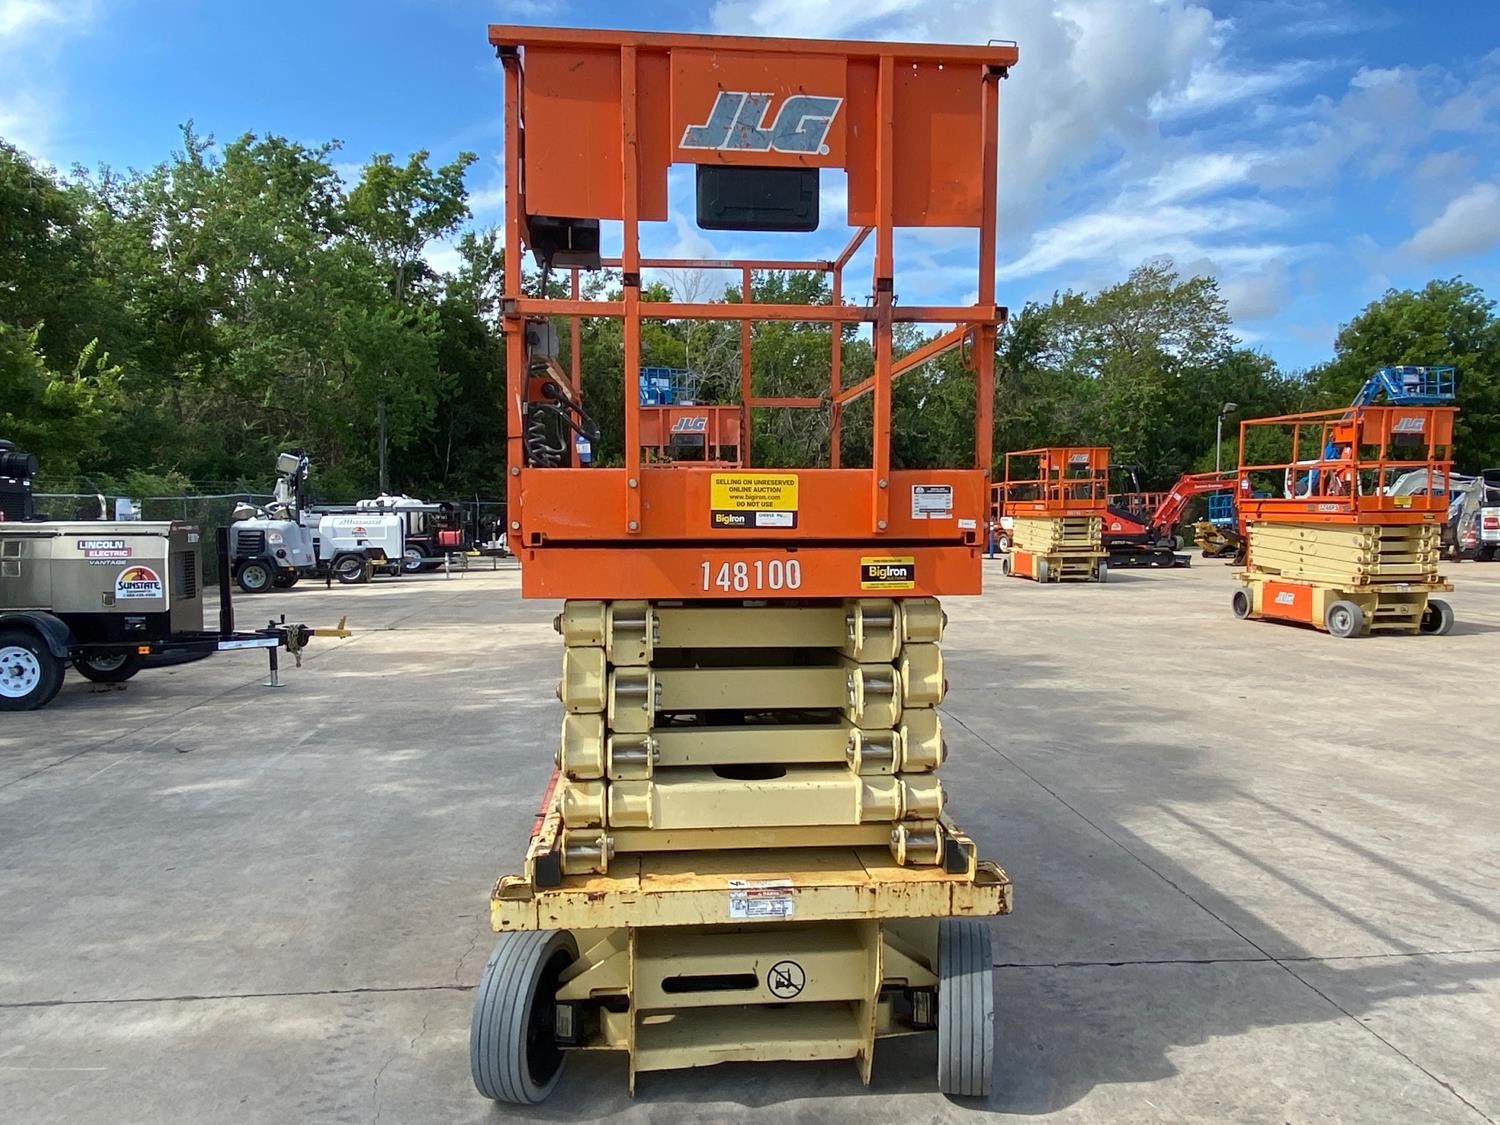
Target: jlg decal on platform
(888, 573)
(753, 500)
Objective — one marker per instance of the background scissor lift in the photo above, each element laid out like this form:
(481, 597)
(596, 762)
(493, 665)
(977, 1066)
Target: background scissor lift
(744, 853)
(1056, 498)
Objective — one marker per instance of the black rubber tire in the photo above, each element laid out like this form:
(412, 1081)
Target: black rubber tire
(286, 579)
(1437, 618)
(966, 1008)
(1344, 619)
(113, 669)
(1002, 542)
(42, 679)
(350, 570)
(413, 558)
(1042, 571)
(255, 577)
(512, 1056)
(1101, 572)
(1239, 604)
(1005, 565)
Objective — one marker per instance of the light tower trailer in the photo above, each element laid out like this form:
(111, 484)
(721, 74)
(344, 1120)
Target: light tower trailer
(105, 598)
(1330, 541)
(744, 853)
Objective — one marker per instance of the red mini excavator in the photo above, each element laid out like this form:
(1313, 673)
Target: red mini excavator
(1136, 537)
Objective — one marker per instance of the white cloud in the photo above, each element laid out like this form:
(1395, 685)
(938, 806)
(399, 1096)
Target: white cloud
(1469, 225)
(1214, 86)
(32, 33)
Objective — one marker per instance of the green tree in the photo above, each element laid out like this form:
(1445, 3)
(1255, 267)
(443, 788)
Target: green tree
(1444, 323)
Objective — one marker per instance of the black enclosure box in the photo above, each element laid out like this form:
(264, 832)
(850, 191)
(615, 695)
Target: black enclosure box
(562, 243)
(733, 197)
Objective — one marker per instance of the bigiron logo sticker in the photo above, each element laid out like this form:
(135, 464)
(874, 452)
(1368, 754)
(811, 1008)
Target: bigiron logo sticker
(737, 123)
(138, 582)
(888, 573)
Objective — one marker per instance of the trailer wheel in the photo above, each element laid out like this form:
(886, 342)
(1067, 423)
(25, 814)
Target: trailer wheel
(287, 579)
(1002, 541)
(1344, 619)
(30, 676)
(110, 668)
(1437, 618)
(966, 1008)
(413, 558)
(513, 1052)
(350, 569)
(1240, 604)
(255, 577)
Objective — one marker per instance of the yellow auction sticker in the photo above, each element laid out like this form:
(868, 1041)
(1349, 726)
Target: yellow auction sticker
(753, 500)
(888, 572)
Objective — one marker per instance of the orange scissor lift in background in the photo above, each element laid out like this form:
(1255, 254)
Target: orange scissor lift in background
(743, 854)
(1056, 499)
(1328, 545)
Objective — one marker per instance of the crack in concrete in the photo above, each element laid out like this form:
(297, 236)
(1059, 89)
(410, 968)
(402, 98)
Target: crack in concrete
(1282, 963)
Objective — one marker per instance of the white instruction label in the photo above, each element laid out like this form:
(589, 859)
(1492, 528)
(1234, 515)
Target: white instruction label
(760, 898)
(931, 501)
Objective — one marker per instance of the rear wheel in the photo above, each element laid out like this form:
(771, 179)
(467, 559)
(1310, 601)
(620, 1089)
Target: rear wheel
(110, 668)
(1437, 618)
(255, 577)
(350, 569)
(1102, 573)
(30, 676)
(513, 1051)
(1240, 604)
(1344, 619)
(1005, 565)
(966, 1008)
(412, 558)
(1043, 571)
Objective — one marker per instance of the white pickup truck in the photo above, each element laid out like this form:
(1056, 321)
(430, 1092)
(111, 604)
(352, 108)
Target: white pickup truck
(1487, 524)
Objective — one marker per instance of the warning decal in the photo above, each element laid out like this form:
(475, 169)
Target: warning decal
(888, 573)
(752, 500)
(138, 582)
(931, 501)
(763, 898)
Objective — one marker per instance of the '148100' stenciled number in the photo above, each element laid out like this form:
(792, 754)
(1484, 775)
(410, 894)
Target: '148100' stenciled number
(759, 575)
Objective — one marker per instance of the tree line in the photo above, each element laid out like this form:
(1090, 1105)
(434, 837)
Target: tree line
(175, 327)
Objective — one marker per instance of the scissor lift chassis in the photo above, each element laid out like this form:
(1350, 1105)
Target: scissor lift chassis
(1312, 574)
(688, 959)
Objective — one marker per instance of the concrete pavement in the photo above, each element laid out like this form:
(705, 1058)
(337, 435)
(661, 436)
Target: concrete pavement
(1257, 868)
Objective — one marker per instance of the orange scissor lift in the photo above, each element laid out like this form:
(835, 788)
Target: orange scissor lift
(743, 854)
(1327, 544)
(1056, 499)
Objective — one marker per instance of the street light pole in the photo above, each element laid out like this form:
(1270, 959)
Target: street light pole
(1227, 408)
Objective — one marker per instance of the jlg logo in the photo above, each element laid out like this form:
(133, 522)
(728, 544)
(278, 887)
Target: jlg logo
(738, 123)
(1286, 597)
(1409, 424)
(696, 424)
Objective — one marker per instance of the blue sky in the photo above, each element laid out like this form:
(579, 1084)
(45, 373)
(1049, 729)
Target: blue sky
(1307, 153)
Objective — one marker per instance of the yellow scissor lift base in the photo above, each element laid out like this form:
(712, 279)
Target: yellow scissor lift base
(1348, 580)
(686, 959)
(1057, 549)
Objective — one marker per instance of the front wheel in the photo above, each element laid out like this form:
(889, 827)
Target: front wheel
(1102, 573)
(1002, 542)
(514, 1055)
(1437, 618)
(110, 668)
(255, 577)
(966, 1008)
(350, 569)
(30, 676)
(1344, 619)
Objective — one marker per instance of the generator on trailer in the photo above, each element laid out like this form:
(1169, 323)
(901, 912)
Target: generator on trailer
(104, 597)
(1054, 500)
(743, 854)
